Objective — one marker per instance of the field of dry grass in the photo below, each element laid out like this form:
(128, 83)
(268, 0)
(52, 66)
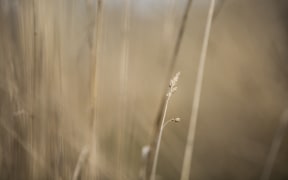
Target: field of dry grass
(82, 85)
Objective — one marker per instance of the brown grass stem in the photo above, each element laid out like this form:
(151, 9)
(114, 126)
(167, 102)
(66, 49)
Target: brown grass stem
(174, 57)
(122, 122)
(185, 174)
(95, 55)
(172, 89)
(80, 162)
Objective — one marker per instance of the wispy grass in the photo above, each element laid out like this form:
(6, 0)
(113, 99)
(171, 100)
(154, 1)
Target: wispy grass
(174, 57)
(172, 89)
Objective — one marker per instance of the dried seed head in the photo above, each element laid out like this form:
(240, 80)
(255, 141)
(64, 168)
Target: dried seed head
(173, 84)
(176, 120)
(145, 151)
(174, 80)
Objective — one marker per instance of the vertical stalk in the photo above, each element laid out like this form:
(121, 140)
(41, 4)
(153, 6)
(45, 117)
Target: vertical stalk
(95, 51)
(174, 57)
(155, 160)
(81, 159)
(95, 55)
(121, 158)
(94, 45)
(172, 89)
(196, 101)
(34, 77)
(34, 44)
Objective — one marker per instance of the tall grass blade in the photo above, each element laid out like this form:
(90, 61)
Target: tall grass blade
(185, 174)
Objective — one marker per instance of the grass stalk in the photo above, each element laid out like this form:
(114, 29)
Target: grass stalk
(185, 174)
(155, 161)
(81, 160)
(122, 123)
(174, 58)
(35, 49)
(172, 89)
(95, 51)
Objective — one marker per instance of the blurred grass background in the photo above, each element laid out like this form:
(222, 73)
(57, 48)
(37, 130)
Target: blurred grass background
(45, 93)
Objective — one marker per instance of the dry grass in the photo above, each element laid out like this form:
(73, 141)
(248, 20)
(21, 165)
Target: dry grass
(185, 175)
(81, 82)
(172, 90)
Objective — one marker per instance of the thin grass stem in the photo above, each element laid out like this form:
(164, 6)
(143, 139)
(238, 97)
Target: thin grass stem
(185, 174)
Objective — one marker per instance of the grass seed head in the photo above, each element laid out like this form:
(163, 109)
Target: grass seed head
(176, 120)
(173, 85)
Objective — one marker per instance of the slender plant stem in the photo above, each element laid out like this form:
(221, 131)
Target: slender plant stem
(95, 61)
(80, 162)
(35, 48)
(172, 89)
(155, 161)
(174, 57)
(121, 151)
(167, 122)
(35, 72)
(196, 101)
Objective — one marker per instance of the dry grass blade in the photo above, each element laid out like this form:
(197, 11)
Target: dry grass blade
(95, 54)
(81, 160)
(196, 98)
(122, 122)
(174, 57)
(172, 90)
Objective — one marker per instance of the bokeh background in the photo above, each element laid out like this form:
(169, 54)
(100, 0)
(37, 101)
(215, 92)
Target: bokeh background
(57, 62)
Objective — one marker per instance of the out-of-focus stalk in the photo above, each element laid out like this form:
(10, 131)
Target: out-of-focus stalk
(196, 98)
(95, 57)
(81, 159)
(95, 51)
(122, 122)
(35, 72)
